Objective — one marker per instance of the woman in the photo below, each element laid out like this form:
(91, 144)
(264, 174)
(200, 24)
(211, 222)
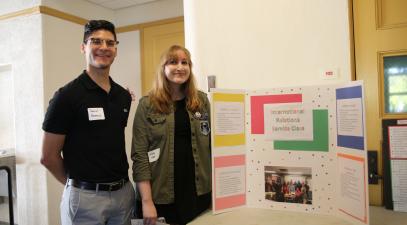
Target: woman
(171, 147)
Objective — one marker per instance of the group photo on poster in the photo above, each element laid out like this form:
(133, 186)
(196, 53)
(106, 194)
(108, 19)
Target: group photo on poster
(288, 184)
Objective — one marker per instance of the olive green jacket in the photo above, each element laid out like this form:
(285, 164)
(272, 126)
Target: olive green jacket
(152, 149)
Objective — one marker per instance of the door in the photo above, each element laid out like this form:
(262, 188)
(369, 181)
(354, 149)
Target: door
(154, 40)
(380, 31)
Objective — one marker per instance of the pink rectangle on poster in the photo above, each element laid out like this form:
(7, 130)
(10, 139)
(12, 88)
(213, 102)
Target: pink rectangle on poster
(257, 108)
(230, 202)
(361, 160)
(234, 200)
(233, 160)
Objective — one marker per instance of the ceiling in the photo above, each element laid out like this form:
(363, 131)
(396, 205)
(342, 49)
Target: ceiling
(119, 4)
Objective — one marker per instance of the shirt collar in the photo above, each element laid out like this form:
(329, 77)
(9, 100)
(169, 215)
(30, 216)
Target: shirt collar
(90, 84)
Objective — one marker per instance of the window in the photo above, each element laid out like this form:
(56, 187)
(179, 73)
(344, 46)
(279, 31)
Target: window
(395, 84)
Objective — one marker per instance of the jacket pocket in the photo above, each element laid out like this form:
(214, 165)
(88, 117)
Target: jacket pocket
(157, 127)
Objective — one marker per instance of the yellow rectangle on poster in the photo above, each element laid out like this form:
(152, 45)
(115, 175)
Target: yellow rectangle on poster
(233, 139)
(227, 97)
(229, 140)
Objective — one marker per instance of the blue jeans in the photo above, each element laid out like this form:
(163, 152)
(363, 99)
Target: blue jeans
(89, 207)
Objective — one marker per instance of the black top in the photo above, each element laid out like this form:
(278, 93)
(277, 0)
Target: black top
(93, 122)
(188, 205)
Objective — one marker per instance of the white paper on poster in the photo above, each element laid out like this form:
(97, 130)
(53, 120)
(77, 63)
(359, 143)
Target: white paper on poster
(352, 191)
(399, 184)
(230, 181)
(398, 142)
(288, 122)
(349, 117)
(229, 118)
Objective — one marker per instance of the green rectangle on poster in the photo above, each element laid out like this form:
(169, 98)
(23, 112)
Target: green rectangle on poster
(321, 133)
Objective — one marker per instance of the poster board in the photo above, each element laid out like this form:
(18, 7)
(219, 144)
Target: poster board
(294, 148)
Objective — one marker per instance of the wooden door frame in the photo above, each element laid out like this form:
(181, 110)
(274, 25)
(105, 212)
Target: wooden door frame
(352, 40)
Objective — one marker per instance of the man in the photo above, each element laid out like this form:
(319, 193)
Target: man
(85, 122)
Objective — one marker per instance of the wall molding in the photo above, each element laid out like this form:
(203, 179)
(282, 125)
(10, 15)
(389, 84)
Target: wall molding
(62, 15)
(148, 24)
(82, 21)
(24, 12)
(46, 11)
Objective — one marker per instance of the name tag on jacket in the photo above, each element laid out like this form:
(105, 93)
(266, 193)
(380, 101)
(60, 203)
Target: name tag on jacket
(153, 155)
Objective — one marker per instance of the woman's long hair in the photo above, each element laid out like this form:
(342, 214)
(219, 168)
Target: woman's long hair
(160, 94)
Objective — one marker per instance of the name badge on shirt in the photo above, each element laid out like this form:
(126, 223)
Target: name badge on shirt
(96, 114)
(153, 155)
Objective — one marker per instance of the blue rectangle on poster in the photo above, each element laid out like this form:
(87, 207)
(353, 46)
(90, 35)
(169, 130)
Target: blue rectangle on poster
(349, 92)
(354, 142)
(351, 142)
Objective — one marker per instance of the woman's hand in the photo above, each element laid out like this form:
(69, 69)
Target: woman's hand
(133, 95)
(149, 212)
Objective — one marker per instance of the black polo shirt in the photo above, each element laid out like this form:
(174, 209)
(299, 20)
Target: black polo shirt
(93, 122)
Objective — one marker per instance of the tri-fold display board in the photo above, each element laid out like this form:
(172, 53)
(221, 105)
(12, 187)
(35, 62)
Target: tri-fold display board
(293, 148)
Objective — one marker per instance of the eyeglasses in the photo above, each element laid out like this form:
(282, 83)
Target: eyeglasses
(97, 42)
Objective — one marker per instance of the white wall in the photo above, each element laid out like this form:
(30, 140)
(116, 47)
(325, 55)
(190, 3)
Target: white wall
(21, 47)
(261, 44)
(9, 6)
